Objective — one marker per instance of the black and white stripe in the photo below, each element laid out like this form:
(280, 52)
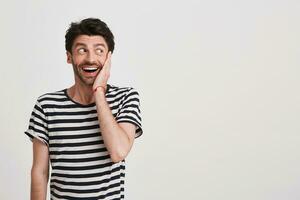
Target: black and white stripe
(81, 165)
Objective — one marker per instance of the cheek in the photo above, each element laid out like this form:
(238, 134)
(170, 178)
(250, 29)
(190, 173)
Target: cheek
(77, 61)
(102, 60)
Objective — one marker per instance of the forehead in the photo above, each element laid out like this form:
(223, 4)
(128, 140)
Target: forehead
(89, 40)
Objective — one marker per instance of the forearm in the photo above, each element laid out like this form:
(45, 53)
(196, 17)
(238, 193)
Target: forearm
(115, 138)
(38, 185)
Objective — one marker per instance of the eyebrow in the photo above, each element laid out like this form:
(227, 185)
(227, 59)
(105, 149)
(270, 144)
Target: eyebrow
(95, 45)
(99, 44)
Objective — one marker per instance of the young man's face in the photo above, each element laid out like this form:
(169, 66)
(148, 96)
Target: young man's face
(88, 57)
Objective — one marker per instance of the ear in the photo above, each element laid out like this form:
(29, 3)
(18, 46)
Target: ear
(69, 57)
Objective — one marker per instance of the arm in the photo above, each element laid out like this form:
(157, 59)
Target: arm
(39, 171)
(118, 137)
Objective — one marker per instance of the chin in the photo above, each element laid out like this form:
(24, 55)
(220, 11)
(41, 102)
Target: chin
(87, 82)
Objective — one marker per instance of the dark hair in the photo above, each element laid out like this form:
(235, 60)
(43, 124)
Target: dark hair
(90, 27)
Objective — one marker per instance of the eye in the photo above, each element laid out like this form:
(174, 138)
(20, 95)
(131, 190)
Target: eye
(99, 51)
(81, 50)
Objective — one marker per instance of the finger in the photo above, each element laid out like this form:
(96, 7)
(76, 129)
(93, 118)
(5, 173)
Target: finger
(103, 65)
(108, 62)
(108, 57)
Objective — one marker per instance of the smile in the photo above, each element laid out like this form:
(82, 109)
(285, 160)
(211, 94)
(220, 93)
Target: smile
(90, 69)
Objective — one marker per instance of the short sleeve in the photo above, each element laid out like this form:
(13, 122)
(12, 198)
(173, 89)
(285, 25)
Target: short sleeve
(38, 125)
(130, 111)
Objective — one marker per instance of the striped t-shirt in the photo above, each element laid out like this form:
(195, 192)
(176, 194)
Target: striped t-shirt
(80, 163)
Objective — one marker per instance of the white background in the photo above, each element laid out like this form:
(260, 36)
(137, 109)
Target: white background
(219, 86)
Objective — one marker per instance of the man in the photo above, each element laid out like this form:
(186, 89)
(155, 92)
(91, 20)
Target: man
(85, 131)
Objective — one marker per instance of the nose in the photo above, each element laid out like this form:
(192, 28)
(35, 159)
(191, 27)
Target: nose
(91, 57)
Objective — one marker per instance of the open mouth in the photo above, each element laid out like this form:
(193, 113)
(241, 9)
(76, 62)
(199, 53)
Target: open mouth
(90, 69)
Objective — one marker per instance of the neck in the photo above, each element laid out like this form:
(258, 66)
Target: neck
(81, 93)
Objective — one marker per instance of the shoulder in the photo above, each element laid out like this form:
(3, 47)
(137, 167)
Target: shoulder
(121, 90)
(51, 96)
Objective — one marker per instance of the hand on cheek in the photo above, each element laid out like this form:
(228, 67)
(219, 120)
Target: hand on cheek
(103, 76)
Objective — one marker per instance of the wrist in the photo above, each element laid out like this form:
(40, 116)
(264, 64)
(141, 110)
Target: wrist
(99, 88)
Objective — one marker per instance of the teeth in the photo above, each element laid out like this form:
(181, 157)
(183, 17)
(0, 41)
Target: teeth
(90, 68)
